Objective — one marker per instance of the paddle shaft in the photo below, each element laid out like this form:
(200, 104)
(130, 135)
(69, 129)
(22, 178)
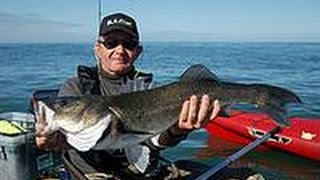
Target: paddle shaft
(207, 174)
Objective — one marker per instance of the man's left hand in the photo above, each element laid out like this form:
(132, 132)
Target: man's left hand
(196, 114)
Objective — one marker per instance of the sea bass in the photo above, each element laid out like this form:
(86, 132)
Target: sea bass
(119, 121)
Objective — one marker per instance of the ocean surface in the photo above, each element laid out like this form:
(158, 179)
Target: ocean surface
(295, 66)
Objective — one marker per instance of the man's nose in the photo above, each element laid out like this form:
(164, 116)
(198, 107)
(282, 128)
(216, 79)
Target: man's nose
(120, 48)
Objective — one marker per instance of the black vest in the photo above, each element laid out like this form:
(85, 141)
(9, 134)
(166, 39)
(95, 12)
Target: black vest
(89, 78)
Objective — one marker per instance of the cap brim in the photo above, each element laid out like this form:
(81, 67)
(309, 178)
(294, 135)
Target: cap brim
(125, 30)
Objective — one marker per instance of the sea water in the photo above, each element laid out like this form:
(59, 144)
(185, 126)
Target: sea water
(295, 66)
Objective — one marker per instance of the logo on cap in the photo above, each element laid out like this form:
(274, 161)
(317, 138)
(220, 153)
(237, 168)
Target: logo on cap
(121, 21)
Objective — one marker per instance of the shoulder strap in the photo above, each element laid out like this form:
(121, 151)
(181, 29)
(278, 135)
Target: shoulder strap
(89, 80)
(146, 76)
(135, 74)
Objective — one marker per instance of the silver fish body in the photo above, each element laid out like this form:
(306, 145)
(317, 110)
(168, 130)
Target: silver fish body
(143, 114)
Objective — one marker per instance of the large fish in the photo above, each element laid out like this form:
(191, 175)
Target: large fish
(118, 121)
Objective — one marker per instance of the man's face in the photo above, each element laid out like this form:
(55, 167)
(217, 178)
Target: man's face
(117, 53)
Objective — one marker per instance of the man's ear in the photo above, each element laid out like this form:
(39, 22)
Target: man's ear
(97, 49)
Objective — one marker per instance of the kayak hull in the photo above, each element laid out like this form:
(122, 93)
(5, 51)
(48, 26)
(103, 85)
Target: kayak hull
(302, 138)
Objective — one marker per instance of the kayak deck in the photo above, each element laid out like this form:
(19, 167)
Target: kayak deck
(302, 138)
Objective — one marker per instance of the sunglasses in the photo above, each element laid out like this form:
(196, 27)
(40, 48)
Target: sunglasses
(111, 43)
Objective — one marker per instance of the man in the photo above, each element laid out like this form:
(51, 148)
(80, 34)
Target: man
(116, 50)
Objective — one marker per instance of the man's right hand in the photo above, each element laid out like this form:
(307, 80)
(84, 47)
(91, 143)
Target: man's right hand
(51, 142)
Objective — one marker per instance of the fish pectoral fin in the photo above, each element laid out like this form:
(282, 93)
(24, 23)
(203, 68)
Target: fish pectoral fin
(276, 113)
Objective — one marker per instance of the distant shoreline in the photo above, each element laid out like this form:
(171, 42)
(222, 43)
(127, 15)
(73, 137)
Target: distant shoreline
(168, 41)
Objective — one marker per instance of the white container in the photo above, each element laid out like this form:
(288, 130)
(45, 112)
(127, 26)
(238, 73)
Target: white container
(18, 153)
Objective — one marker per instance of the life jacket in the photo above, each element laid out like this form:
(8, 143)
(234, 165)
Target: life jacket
(89, 79)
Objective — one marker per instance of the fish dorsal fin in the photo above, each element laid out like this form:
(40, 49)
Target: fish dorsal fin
(198, 72)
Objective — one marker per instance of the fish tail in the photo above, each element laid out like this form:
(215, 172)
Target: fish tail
(281, 95)
(276, 113)
(276, 99)
(269, 99)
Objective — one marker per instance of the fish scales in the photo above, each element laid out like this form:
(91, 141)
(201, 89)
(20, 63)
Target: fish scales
(139, 115)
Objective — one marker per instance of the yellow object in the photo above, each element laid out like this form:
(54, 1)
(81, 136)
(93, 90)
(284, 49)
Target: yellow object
(10, 128)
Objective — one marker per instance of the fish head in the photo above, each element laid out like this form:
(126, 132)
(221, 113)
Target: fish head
(65, 107)
(73, 114)
(44, 116)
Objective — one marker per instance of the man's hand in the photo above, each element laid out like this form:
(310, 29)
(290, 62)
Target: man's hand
(53, 142)
(195, 115)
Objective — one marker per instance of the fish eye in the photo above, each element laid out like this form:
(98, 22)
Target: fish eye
(60, 104)
(57, 107)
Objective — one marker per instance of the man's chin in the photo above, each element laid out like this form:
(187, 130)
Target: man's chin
(122, 68)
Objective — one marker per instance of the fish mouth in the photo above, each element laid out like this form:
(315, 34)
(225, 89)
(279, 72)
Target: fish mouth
(44, 117)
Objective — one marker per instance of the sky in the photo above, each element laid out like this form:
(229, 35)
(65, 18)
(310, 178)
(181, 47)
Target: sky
(46, 21)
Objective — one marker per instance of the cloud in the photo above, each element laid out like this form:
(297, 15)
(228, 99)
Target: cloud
(34, 28)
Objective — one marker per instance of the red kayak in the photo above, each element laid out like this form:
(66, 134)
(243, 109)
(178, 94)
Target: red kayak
(301, 138)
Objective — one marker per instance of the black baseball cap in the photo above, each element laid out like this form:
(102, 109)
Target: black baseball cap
(119, 22)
